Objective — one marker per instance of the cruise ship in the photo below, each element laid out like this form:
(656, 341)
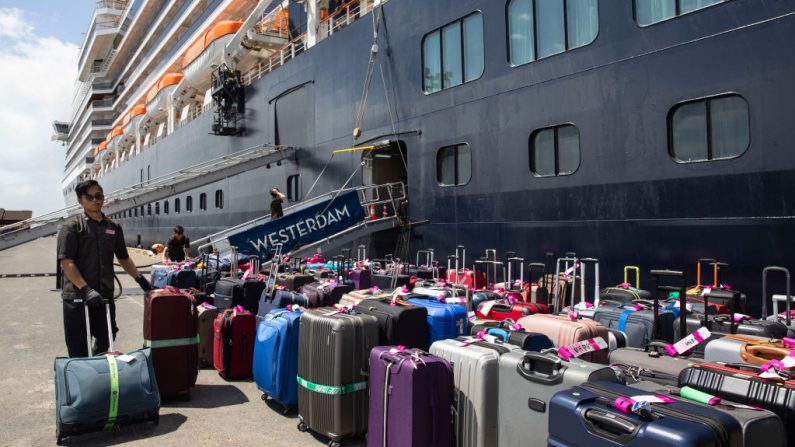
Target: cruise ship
(639, 132)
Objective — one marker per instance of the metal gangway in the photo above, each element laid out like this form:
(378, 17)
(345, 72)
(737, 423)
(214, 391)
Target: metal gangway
(386, 197)
(146, 192)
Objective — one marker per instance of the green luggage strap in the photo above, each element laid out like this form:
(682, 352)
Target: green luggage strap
(172, 342)
(332, 389)
(113, 411)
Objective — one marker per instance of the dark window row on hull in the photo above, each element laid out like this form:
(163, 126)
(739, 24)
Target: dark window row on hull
(705, 129)
(293, 195)
(535, 29)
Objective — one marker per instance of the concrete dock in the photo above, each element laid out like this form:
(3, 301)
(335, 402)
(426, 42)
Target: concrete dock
(219, 413)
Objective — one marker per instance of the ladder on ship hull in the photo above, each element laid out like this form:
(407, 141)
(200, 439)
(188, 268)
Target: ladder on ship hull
(156, 189)
(384, 200)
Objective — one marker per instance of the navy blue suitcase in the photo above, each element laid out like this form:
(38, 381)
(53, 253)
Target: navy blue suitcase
(184, 278)
(279, 300)
(444, 320)
(588, 416)
(276, 357)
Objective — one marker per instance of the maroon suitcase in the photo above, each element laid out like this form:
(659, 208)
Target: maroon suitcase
(411, 394)
(233, 348)
(171, 330)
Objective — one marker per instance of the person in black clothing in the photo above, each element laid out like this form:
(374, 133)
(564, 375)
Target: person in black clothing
(86, 246)
(178, 245)
(276, 203)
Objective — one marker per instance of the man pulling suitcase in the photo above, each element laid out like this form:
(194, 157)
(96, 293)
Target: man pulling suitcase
(86, 246)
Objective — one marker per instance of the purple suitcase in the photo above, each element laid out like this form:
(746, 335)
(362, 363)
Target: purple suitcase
(411, 394)
(360, 279)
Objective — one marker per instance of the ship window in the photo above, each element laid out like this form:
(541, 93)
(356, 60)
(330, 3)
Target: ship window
(165, 207)
(189, 204)
(157, 208)
(135, 212)
(709, 129)
(539, 29)
(142, 211)
(293, 193)
(148, 209)
(203, 201)
(176, 205)
(219, 198)
(648, 12)
(454, 165)
(555, 151)
(453, 54)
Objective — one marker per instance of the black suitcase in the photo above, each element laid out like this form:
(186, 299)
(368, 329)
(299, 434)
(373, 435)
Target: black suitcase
(294, 281)
(720, 325)
(742, 384)
(401, 324)
(231, 292)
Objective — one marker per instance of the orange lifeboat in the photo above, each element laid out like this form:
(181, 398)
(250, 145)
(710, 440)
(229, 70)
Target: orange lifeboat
(157, 97)
(113, 138)
(206, 51)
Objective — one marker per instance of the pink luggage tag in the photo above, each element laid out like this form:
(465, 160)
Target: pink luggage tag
(688, 343)
(629, 405)
(294, 308)
(788, 342)
(516, 327)
(207, 305)
(340, 310)
(739, 318)
(373, 290)
(573, 315)
(771, 369)
(624, 285)
(582, 347)
(471, 316)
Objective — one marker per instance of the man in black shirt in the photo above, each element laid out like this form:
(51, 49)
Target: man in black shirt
(276, 203)
(86, 246)
(178, 245)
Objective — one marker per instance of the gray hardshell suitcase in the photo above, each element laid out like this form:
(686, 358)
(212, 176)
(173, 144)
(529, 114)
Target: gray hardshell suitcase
(475, 378)
(84, 386)
(651, 364)
(333, 360)
(759, 427)
(528, 380)
(727, 349)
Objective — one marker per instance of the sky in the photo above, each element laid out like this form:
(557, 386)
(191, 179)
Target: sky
(39, 44)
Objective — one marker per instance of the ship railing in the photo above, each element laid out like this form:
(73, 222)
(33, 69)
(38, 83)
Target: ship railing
(341, 17)
(383, 200)
(163, 182)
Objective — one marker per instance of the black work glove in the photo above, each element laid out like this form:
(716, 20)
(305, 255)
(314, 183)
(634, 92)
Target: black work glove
(143, 283)
(91, 297)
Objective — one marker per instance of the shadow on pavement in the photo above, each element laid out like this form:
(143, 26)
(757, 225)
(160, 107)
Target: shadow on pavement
(168, 423)
(210, 396)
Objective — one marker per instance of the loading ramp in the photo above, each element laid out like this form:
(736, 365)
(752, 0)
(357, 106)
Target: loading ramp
(384, 200)
(156, 189)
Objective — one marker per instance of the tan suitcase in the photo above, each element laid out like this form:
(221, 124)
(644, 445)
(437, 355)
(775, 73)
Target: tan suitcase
(563, 331)
(353, 298)
(207, 316)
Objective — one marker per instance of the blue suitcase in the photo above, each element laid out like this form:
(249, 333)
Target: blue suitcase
(84, 386)
(160, 275)
(444, 320)
(587, 416)
(276, 357)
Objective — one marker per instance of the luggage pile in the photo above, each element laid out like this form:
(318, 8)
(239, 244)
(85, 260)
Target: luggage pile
(497, 352)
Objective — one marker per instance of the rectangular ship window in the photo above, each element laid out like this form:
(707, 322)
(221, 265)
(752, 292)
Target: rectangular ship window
(454, 165)
(649, 12)
(555, 151)
(715, 128)
(453, 54)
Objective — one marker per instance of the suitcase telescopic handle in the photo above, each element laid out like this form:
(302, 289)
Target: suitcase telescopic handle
(716, 266)
(765, 271)
(88, 327)
(527, 368)
(634, 268)
(682, 289)
(698, 269)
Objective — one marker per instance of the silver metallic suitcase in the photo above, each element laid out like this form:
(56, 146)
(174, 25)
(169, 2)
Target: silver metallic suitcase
(527, 382)
(333, 359)
(475, 377)
(727, 349)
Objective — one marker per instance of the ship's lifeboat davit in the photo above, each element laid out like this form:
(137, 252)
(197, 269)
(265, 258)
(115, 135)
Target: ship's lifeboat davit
(207, 53)
(157, 96)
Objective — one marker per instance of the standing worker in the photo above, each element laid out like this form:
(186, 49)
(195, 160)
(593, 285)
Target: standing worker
(276, 203)
(86, 245)
(178, 246)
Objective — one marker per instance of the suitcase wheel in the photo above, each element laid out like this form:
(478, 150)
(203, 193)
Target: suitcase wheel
(58, 438)
(156, 419)
(264, 396)
(302, 427)
(285, 409)
(333, 444)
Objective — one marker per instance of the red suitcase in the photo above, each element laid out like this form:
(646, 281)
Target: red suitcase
(502, 310)
(233, 349)
(171, 330)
